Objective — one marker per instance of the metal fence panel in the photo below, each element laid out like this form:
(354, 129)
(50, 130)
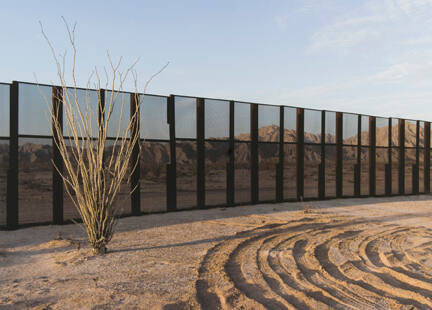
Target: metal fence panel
(186, 155)
(350, 128)
(33, 109)
(312, 126)
(117, 105)
(268, 123)
(395, 171)
(242, 121)
(4, 110)
(410, 133)
(242, 174)
(312, 161)
(349, 155)
(421, 169)
(153, 118)
(216, 120)
(34, 180)
(364, 130)
(216, 159)
(410, 160)
(290, 115)
(330, 127)
(364, 170)
(268, 159)
(153, 176)
(380, 170)
(289, 173)
(330, 170)
(85, 101)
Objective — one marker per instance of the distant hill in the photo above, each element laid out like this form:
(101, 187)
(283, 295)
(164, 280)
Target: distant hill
(156, 155)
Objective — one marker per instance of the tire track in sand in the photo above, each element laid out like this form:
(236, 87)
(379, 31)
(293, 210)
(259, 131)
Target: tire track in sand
(318, 262)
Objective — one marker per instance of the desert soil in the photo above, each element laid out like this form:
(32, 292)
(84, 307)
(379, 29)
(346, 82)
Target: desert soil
(372, 253)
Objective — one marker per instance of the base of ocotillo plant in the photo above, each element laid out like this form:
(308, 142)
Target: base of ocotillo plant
(100, 251)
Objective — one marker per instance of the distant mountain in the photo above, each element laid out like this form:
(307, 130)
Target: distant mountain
(155, 156)
(271, 134)
(382, 136)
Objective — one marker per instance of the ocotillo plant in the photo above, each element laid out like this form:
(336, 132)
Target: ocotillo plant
(92, 172)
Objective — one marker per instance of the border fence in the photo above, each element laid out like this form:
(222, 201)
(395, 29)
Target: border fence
(205, 152)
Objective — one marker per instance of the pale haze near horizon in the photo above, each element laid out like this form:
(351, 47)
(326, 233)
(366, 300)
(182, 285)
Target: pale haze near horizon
(371, 57)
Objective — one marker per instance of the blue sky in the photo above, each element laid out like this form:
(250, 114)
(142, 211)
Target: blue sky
(371, 57)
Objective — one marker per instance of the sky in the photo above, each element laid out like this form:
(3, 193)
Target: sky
(372, 56)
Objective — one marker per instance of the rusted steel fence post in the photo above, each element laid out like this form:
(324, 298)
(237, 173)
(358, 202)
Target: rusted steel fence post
(357, 167)
(416, 169)
(372, 155)
(300, 153)
(171, 167)
(401, 128)
(427, 157)
(388, 166)
(322, 165)
(57, 180)
(339, 155)
(200, 114)
(280, 165)
(135, 158)
(231, 159)
(12, 174)
(254, 154)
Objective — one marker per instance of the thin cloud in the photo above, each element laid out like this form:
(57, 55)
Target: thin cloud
(306, 8)
(367, 94)
(424, 40)
(403, 71)
(345, 33)
(373, 21)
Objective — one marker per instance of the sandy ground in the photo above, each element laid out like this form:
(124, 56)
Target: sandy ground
(337, 254)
